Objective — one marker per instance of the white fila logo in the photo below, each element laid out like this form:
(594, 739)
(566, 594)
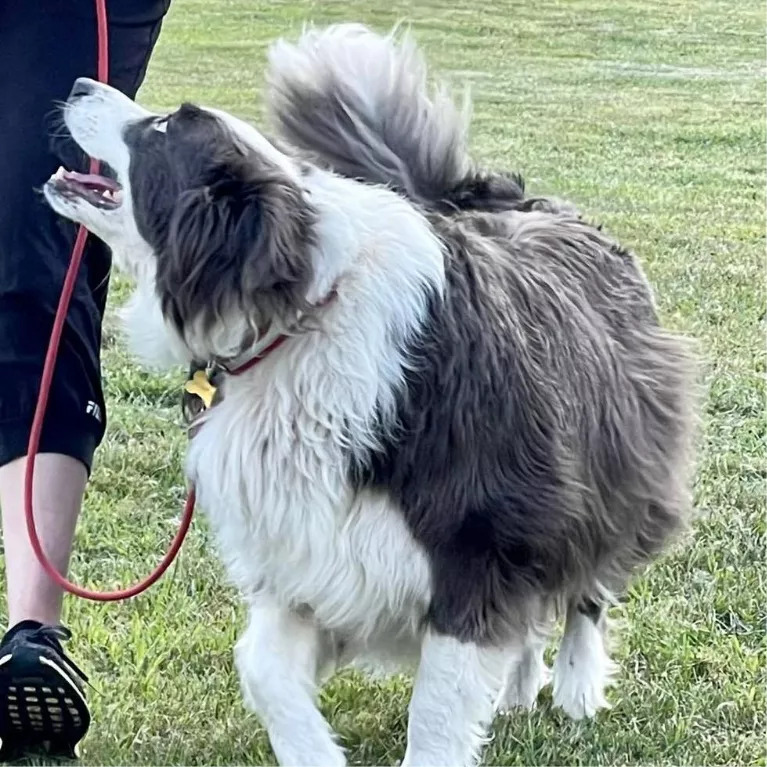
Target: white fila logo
(93, 409)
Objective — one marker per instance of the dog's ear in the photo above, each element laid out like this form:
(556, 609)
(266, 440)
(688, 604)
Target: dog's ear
(241, 241)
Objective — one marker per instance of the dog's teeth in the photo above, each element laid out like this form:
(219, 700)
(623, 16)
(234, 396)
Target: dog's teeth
(59, 172)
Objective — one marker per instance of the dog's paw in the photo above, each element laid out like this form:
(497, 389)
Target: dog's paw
(579, 688)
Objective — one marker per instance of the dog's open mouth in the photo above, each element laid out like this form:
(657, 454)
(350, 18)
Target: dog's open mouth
(99, 191)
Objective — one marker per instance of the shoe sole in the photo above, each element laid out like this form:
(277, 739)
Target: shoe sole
(41, 708)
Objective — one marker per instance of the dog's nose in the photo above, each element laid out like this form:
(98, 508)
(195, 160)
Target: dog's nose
(82, 87)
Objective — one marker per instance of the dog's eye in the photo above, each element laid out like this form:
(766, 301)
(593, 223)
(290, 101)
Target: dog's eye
(161, 125)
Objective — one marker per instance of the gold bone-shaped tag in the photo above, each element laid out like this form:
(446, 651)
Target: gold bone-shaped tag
(200, 386)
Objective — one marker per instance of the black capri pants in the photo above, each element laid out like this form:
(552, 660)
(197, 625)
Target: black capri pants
(44, 46)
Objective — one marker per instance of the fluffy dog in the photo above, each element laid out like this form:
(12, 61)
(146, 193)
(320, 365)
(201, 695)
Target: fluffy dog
(473, 422)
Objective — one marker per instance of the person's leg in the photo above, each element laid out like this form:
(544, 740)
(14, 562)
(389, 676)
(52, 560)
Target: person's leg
(43, 49)
(58, 492)
(47, 48)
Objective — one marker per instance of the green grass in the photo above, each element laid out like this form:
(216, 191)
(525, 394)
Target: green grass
(650, 116)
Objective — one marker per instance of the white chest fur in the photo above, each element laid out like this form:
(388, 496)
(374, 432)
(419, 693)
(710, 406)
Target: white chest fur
(273, 482)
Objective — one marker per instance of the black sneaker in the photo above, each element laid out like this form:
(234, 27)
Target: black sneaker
(42, 702)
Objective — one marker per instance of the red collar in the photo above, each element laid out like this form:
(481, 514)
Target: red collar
(253, 361)
(267, 350)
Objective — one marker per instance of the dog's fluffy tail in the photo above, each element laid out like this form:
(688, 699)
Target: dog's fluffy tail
(360, 103)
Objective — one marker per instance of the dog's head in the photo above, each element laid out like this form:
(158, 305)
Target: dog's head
(205, 213)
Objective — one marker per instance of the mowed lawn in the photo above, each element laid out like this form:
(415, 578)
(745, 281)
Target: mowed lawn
(650, 116)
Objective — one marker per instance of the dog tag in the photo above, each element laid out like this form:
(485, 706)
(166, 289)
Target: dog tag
(198, 395)
(201, 386)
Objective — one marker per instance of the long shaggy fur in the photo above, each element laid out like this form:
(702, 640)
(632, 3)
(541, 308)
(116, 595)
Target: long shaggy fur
(484, 427)
(548, 414)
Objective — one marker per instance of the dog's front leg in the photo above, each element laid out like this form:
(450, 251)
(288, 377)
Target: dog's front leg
(278, 659)
(455, 695)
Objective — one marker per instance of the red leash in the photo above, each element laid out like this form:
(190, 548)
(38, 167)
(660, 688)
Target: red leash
(45, 388)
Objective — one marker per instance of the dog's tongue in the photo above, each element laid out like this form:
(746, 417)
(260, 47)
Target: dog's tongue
(92, 180)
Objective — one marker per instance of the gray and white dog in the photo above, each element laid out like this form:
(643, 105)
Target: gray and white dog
(475, 423)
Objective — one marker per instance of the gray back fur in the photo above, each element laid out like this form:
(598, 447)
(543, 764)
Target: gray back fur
(543, 448)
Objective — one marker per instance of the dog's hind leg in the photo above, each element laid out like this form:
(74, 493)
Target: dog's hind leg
(528, 673)
(455, 696)
(527, 676)
(279, 658)
(583, 669)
